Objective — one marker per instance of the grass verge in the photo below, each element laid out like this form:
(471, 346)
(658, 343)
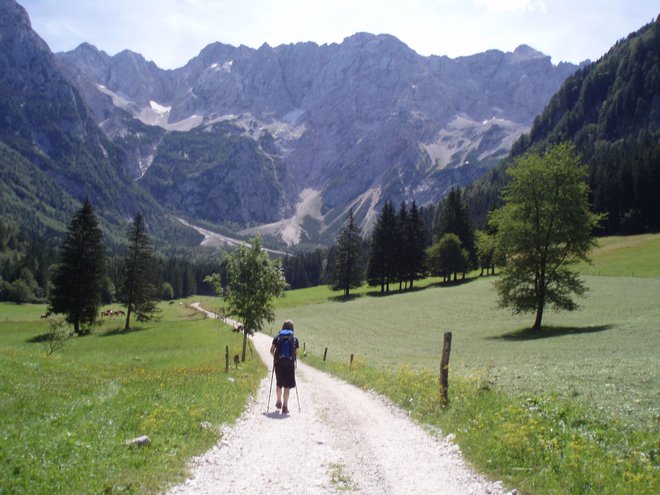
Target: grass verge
(541, 444)
(65, 418)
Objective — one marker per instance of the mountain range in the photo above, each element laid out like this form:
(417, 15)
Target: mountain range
(281, 140)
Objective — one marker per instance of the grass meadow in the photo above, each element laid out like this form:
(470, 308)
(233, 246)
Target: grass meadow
(65, 418)
(574, 408)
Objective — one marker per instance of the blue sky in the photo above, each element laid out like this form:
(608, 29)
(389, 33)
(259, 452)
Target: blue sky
(171, 32)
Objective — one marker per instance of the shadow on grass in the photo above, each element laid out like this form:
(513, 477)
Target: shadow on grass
(37, 339)
(453, 283)
(394, 290)
(122, 331)
(45, 337)
(549, 332)
(343, 298)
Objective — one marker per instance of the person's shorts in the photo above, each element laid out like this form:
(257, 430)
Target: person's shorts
(285, 373)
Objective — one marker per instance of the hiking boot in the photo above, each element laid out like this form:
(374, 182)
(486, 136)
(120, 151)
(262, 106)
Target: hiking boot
(278, 404)
(285, 410)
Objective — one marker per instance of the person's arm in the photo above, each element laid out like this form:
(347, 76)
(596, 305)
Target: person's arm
(272, 350)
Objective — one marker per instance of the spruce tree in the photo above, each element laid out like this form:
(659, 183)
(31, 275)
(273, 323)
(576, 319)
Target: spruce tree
(348, 269)
(78, 280)
(139, 291)
(455, 219)
(380, 270)
(401, 259)
(415, 239)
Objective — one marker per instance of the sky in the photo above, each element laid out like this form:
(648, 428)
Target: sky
(171, 32)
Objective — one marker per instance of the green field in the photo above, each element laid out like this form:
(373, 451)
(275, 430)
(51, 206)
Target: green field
(606, 353)
(574, 408)
(65, 418)
(629, 256)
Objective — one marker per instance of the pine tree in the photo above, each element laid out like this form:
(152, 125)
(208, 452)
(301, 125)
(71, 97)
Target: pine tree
(78, 281)
(348, 270)
(455, 219)
(401, 259)
(380, 270)
(139, 291)
(415, 239)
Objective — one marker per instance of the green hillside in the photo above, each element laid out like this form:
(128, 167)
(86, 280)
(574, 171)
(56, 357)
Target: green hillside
(610, 109)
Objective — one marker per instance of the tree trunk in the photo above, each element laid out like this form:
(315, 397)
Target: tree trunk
(540, 304)
(245, 332)
(128, 316)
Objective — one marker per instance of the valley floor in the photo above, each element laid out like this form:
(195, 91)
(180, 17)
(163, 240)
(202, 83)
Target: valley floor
(342, 438)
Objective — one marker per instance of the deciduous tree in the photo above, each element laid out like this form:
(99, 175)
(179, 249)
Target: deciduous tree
(253, 281)
(544, 227)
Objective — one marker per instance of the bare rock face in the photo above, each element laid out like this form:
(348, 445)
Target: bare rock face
(360, 122)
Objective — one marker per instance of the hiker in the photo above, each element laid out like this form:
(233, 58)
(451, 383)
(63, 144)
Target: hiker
(284, 351)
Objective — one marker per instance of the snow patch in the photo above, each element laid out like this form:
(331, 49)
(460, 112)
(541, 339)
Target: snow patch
(160, 109)
(225, 67)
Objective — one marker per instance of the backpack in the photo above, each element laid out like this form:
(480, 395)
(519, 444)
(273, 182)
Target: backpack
(285, 345)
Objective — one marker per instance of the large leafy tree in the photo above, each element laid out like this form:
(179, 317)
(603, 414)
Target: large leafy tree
(544, 227)
(138, 291)
(447, 257)
(253, 281)
(79, 278)
(348, 269)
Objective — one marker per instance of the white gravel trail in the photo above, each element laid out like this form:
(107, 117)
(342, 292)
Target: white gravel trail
(342, 439)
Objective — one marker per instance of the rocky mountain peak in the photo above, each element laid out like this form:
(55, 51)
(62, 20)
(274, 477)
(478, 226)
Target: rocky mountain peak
(400, 125)
(526, 52)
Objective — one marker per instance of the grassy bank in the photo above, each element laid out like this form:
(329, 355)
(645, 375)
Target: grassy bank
(627, 256)
(540, 444)
(65, 418)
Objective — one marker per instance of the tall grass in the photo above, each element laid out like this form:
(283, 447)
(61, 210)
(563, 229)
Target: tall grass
(65, 418)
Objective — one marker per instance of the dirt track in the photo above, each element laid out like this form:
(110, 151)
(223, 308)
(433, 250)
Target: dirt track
(342, 439)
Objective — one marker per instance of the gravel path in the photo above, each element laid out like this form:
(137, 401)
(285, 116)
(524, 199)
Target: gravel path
(343, 439)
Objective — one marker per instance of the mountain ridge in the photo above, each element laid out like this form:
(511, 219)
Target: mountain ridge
(241, 138)
(400, 125)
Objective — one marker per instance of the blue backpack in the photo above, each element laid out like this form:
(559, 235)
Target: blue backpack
(285, 345)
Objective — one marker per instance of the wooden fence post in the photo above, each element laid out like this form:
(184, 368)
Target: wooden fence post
(325, 354)
(444, 369)
(226, 359)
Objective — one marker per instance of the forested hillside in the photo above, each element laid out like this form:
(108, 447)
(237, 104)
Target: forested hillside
(611, 111)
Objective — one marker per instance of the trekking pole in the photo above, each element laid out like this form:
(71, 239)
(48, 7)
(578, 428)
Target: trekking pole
(297, 396)
(270, 389)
